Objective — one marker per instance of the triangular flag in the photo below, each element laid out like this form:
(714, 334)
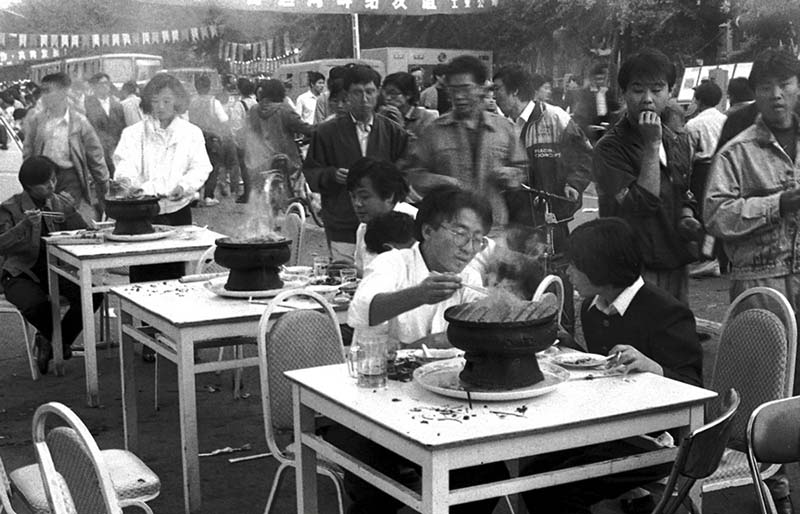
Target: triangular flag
(136, 38)
(184, 35)
(44, 53)
(56, 53)
(165, 36)
(212, 31)
(21, 55)
(126, 39)
(95, 40)
(145, 38)
(54, 40)
(42, 40)
(74, 40)
(64, 40)
(105, 39)
(156, 38)
(23, 41)
(32, 54)
(114, 39)
(194, 33)
(175, 36)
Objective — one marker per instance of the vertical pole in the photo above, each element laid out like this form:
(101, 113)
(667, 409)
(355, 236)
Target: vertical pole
(356, 37)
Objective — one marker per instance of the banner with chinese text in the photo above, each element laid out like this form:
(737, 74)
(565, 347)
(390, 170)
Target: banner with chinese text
(395, 7)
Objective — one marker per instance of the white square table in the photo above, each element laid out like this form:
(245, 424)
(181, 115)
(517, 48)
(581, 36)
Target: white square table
(184, 314)
(77, 263)
(410, 421)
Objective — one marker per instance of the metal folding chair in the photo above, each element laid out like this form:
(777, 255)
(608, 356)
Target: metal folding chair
(773, 436)
(698, 457)
(756, 357)
(70, 452)
(297, 339)
(294, 228)
(28, 333)
(545, 285)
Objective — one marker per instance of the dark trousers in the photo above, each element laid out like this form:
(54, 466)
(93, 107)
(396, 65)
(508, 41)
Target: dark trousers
(578, 497)
(3, 137)
(68, 181)
(367, 499)
(167, 270)
(243, 171)
(214, 150)
(33, 301)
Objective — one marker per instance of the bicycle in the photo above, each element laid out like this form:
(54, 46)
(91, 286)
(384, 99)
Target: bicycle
(285, 184)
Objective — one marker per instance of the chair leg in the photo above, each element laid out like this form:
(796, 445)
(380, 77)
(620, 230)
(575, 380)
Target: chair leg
(275, 483)
(220, 358)
(155, 384)
(337, 484)
(238, 353)
(509, 504)
(29, 334)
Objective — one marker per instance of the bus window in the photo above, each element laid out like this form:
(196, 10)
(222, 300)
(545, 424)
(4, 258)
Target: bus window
(119, 69)
(146, 69)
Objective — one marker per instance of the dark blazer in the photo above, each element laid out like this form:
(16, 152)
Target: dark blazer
(335, 145)
(108, 126)
(656, 324)
(20, 241)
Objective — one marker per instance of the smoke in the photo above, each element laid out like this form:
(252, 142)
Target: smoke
(264, 212)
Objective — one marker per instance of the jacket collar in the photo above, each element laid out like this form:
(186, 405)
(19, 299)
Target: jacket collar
(764, 135)
(486, 120)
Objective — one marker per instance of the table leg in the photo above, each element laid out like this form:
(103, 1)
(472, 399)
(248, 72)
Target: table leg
(55, 311)
(188, 409)
(130, 412)
(89, 337)
(696, 492)
(435, 483)
(306, 475)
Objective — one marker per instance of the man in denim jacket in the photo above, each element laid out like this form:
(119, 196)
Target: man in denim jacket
(752, 197)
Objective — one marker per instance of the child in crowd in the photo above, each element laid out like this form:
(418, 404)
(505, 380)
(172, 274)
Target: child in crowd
(389, 231)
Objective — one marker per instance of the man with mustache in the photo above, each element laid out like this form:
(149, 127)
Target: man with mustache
(642, 170)
(752, 196)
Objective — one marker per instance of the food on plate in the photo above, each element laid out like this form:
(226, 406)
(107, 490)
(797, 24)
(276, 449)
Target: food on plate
(325, 280)
(257, 240)
(501, 307)
(123, 190)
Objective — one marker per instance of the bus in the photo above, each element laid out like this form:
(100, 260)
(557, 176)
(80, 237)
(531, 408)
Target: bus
(188, 76)
(119, 67)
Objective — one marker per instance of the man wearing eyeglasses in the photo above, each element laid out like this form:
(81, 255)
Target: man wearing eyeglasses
(468, 147)
(340, 142)
(403, 296)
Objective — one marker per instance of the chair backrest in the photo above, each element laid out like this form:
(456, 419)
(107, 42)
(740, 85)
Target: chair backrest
(72, 452)
(756, 355)
(554, 282)
(5, 491)
(207, 264)
(773, 436)
(298, 339)
(293, 229)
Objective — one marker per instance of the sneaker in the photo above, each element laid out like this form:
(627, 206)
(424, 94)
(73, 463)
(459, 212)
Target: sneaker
(209, 202)
(705, 269)
(242, 199)
(44, 353)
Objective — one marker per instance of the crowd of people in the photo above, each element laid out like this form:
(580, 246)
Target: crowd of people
(469, 181)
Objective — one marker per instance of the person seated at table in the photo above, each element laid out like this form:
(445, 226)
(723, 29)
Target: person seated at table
(406, 291)
(24, 275)
(375, 187)
(389, 231)
(652, 332)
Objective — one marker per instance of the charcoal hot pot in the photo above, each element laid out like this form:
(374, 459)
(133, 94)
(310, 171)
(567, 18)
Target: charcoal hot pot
(133, 216)
(254, 263)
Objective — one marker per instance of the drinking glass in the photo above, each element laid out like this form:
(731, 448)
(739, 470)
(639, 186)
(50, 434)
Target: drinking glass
(366, 360)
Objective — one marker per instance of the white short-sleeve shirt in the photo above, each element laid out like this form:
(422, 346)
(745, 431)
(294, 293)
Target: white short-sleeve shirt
(396, 270)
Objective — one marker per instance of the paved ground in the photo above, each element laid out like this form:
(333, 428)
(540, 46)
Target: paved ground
(227, 488)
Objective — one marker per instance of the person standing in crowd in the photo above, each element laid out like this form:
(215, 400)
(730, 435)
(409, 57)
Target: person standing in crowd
(436, 97)
(307, 102)
(271, 127)
(740, 94)
(542, 88)
(24, 275)
(131, 103)
(559, 162)
(642, 170)
(207, 112)
(164, 156)
(418, 73)
(340, 142)
(752, 199)
(106, 115)
(652, 331)
(331, 100)
(65, 136)
(704, 130)
(238, 122)
(401, 96)
(468, 147)
(595, 104)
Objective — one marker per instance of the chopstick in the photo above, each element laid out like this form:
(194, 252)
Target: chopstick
(481, 290)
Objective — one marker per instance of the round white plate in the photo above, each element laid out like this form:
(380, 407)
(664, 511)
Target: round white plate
(441, 377)
(217, 286)
(579, 360)
(434, 353)
(161, 232)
